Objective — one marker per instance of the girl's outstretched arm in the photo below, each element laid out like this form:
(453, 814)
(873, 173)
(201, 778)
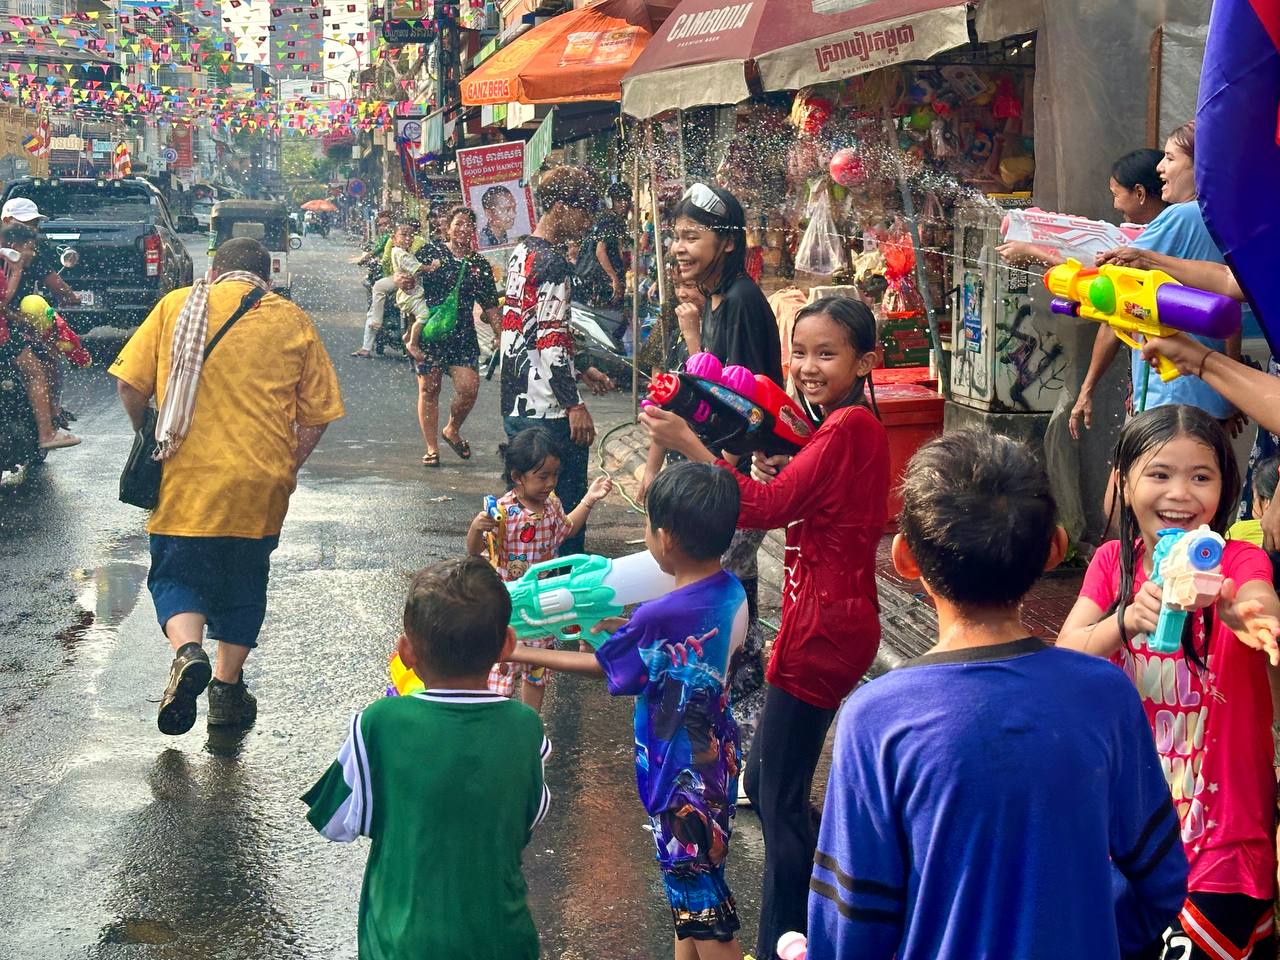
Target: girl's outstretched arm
(570, 661)
(1252, 612)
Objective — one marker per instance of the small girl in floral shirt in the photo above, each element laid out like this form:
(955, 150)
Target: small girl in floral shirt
(533, 524)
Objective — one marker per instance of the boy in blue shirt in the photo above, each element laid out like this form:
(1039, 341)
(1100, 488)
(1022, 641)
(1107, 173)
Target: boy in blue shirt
(996, 797)
(674, 656)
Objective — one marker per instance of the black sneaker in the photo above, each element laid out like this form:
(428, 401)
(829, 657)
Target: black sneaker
(188, 676)
(231, 704)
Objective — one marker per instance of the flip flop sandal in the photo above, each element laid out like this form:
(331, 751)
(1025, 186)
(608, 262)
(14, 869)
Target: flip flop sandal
(460, 447)
(60, 440)
(431, 460)
(363, 354)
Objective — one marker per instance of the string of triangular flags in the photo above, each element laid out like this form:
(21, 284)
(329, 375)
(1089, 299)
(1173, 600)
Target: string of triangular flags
(233, 111)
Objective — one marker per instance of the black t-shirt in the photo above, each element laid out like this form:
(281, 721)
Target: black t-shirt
(477, 284)
(742, 330)
(593, 283)
(45, 263)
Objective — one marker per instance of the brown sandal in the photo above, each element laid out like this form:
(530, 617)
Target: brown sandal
(431, 459)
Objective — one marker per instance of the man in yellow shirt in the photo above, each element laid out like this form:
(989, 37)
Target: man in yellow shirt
(261, 403)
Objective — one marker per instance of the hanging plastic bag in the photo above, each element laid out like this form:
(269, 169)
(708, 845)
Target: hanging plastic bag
(821, 250)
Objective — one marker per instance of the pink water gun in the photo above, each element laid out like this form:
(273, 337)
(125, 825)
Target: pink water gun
(1078, 238)
(730, 408)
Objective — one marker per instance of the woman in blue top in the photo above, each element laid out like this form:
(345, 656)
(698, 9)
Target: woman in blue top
(1177, 231)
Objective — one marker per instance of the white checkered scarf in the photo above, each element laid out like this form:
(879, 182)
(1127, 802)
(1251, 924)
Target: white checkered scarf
(186, 361)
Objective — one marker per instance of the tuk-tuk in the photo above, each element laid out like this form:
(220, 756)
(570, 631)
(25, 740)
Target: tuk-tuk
(266, 221)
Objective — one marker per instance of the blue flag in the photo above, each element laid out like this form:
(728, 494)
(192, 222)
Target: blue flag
(1238, 149)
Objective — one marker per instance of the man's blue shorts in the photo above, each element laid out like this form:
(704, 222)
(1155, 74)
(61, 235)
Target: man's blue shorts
(223, 578)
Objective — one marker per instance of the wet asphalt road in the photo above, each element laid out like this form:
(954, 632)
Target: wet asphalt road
(117, 842)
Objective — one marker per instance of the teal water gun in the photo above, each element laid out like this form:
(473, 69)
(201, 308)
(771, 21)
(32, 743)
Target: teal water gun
(1187, 566)
(566, 597)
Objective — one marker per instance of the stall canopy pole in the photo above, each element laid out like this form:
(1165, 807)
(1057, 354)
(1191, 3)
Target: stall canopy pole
(635, 293)
(659, 252)
(913, 227)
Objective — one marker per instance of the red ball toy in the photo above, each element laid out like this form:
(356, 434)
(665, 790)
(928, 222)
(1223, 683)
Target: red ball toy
(847, 168)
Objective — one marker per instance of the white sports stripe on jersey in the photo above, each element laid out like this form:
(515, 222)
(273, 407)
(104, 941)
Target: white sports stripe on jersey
(353, 816)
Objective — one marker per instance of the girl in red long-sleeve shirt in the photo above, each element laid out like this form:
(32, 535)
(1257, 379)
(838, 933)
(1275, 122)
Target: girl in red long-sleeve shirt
(831, 498)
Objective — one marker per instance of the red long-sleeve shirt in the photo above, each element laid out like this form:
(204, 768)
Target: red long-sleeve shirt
(832, 500)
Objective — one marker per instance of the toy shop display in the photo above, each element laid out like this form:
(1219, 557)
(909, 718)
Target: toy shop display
(946, 132)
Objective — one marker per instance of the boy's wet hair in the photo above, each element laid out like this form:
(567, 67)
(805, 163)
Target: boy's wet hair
(456, 617)
(526, 451)
(576, 188)
(978, 516)
(697, 504)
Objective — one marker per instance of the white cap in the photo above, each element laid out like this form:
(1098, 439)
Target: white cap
(21, 209)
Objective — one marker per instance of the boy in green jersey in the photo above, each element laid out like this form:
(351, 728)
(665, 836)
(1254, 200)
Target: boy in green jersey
(447, 783)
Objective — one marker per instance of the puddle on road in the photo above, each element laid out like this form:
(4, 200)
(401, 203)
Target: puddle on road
(110, 591)
(136, 930)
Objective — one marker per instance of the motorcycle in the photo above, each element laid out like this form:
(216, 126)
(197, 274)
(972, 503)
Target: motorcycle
(19, 436)
(599, 340)
(19, 440)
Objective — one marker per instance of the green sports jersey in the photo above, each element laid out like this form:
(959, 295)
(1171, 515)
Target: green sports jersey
(448, 785)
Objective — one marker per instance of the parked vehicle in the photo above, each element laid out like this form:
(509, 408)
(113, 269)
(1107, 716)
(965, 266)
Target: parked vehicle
(266, 221)
(202, 210)
(392, 332)
(127, 250)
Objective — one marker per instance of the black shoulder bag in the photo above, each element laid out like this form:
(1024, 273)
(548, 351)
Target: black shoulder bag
(140, 479)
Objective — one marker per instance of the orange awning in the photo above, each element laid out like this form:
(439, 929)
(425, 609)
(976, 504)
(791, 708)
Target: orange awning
(576, 56)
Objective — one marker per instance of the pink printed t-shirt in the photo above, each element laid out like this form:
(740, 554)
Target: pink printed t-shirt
(1212, 728)
(528, 538)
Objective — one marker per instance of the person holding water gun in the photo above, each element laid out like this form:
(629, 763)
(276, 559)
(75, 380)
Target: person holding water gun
(529, 527)
(1209, 700)
(724, 313)
(674, 656)
(1178, 231)
(18, 341)
(832, 500)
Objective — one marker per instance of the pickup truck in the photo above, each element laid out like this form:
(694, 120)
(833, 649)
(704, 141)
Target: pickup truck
(129, 253)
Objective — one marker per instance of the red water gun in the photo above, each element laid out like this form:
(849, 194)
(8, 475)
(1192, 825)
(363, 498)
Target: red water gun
(732, 409)
(53, 329)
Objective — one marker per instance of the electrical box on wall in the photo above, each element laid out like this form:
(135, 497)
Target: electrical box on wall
(1006, 355)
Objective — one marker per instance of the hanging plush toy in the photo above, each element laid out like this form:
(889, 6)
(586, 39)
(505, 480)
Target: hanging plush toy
(810, 112)
(1005, 105)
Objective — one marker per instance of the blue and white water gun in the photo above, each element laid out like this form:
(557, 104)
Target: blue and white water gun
(1187, 566)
